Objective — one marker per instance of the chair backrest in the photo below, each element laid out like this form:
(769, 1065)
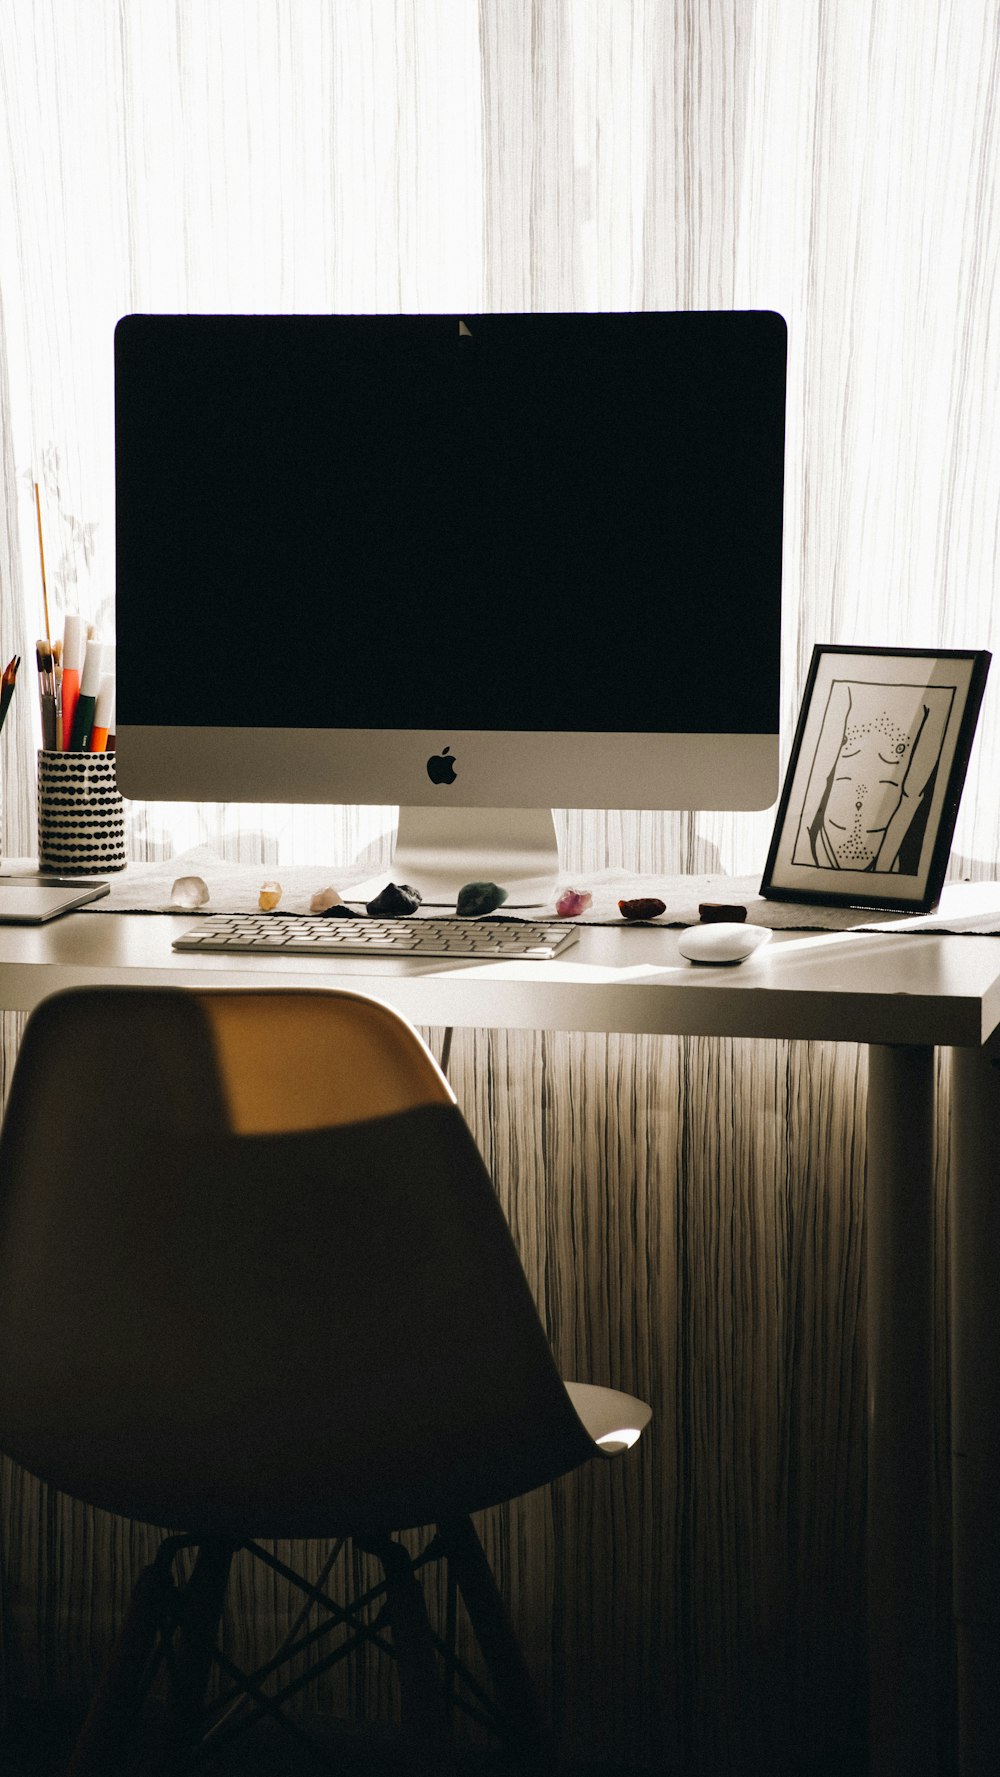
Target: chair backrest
(254, 1277)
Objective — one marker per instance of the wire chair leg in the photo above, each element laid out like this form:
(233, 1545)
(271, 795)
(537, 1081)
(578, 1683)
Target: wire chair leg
(199, 1609)
(425, 1713)
(103, 1743)
(528, 1731)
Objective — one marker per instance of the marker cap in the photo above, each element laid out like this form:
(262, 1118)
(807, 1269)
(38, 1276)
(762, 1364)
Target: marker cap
(74, 642)
(93, 669)
(104, 708)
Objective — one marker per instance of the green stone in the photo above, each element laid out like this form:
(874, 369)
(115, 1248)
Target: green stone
(479, 897)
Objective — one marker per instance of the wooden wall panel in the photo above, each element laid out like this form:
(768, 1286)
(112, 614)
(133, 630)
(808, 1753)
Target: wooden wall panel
(691, 1214)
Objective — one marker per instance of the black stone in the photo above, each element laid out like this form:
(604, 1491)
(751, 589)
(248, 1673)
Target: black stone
(396, 900)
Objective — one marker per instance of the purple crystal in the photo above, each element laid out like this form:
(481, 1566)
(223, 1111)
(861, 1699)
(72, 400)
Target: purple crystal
(573, 902)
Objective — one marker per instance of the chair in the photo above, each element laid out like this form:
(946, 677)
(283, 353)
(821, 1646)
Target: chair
(255, 1284)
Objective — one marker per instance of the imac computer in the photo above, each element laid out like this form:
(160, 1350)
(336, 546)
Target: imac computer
(478, 566)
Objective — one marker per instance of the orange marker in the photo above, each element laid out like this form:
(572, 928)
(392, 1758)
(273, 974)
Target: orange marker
(104, 715)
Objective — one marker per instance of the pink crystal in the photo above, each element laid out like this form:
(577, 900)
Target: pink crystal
(324, 898)
(573, 902)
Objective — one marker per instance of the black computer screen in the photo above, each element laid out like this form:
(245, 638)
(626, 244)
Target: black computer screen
(530, 521)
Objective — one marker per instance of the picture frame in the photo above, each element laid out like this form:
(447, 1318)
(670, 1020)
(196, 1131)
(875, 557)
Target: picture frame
(877, 833)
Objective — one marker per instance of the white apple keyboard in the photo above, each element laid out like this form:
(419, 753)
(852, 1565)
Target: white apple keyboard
(270, 934)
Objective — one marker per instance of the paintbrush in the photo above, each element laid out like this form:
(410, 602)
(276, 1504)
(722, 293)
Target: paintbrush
(57, 688)
(41, 557)
(46, 693)
(52, 730)
(7, 686)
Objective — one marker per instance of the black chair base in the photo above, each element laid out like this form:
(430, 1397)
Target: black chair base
(149, 1714)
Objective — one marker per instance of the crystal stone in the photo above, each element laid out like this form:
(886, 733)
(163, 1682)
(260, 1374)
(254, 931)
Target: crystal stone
(323, 900)
(573, 902)
(647, 907)
(189, 891)
(477, 898)
(396, 900)
(715, 912)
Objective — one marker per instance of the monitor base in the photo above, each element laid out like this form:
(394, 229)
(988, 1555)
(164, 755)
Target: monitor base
(439, 850)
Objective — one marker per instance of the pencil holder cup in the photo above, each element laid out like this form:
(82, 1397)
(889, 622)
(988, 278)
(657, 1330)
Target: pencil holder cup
(81, 816)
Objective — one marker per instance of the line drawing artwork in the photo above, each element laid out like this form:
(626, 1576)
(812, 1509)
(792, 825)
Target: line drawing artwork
(872, 777)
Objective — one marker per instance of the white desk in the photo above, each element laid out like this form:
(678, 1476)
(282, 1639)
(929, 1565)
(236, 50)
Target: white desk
(903, 996)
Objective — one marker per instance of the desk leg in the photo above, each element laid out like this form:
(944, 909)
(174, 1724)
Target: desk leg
(974, 1275)
(900, 1254)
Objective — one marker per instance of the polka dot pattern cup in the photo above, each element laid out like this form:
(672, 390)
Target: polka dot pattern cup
(81, 816)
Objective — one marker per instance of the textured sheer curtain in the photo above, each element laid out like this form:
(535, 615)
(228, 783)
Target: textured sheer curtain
(836, 163)
(281, 156)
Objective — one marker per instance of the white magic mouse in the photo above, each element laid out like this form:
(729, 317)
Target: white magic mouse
(721, 941)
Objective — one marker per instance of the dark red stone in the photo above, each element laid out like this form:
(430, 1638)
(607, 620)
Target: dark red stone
(649, 908)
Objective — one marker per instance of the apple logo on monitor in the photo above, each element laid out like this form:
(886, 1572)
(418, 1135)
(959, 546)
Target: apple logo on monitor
(441, 767)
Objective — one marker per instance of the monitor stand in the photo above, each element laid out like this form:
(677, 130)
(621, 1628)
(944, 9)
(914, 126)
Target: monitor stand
(439, 850)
